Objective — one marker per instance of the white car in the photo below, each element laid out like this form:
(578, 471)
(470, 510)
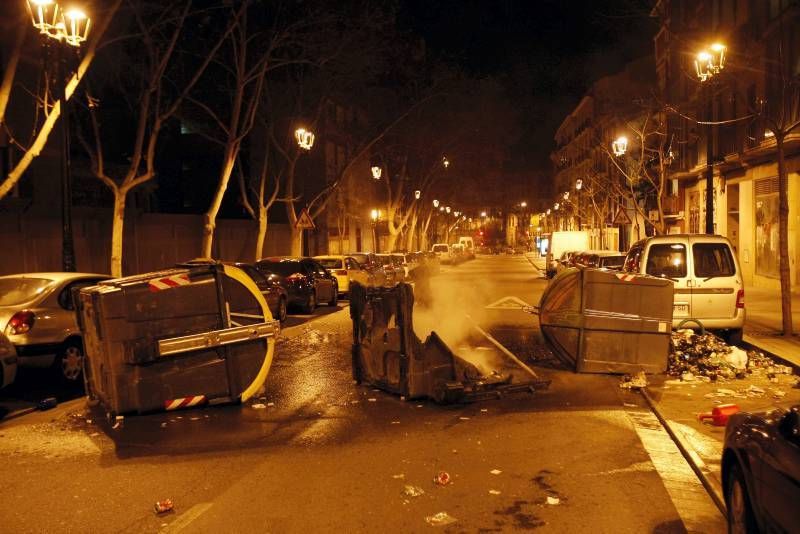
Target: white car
(442, 251)
(706, 274)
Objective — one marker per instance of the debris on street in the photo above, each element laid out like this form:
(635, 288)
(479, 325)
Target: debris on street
(412, 491)
(258, 406)
(495, 471)
(162, 507)
(440, 519)
(696, 357)
(442, 478)
(494, 492)
(48, 403)
(719, 414)
(553, 500)
(638, 381)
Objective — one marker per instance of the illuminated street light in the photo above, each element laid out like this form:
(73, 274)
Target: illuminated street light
(566, 195)
(457, 213)
(620, 145)
(578, 184)
(441, 208)
(709, 62)
(435, 203)
(445, 162)
(463, 217)
(417, 194)
(523, 204)
(305, 138)
(483, 214)
(556, 206)
(447, 209)
(376, 172)
(548, 212)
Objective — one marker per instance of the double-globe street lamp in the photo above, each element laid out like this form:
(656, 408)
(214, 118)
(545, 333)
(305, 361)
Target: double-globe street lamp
(63, 29)
(708, 64)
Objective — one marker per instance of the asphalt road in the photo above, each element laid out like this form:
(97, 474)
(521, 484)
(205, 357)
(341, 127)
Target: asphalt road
(320, 453)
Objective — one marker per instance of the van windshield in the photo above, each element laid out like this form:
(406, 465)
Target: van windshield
(712, 260)
(667, 261)
(440, 248)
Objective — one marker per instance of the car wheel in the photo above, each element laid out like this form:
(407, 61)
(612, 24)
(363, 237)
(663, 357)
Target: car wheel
(69, 361)
(335, 297)
(311, 302)
(734, 336)
(740, 513)
(281, 310)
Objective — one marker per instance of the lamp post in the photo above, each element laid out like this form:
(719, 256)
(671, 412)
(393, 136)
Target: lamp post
(708, 64)
(69, 28)
(375, 215)
(578, 187)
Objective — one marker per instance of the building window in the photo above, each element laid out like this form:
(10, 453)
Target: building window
(766, 198)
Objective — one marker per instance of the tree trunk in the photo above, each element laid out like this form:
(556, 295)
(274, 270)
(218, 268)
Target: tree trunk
(391, 241)
(262, 233)
(783, 238)
(412, 230)
(117, 227)
(297, 242)
(210, 219)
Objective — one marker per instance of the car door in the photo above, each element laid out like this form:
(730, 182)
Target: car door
(715, 283)
(669, 260)
(324, 280)
(780, 476)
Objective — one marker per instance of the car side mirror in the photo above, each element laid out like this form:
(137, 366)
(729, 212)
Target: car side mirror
(789, 427)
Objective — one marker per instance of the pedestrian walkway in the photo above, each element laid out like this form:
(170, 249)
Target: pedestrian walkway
(763, 325)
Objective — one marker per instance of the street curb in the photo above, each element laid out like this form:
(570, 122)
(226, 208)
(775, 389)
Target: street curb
(692, 458)
(752, 346)
(18, 413)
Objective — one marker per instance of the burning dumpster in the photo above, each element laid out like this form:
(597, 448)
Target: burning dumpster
(600, 321)
(198, 333)
(389, 355)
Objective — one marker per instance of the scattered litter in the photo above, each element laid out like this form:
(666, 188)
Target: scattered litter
(484, 410)
(464, 418)
(494, 492)
(638, 381)
(719, 414)
(270, 404)
(629, 405)
(354, 402)
(259, 406)
(162, 507)
(777, 393)
(553, 500)
(163, 425)
(399, 476)
(737, 358)
(707, 357)
(442, 518)
(372, 399)
(412, 491)
(442, 478)
(495, 471)
(402, 397)
(395, 422)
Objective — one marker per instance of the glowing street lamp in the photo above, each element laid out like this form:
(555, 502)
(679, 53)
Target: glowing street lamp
(523, 204)
(305, 138)
(578, 184)
(710, 61)
(548, 212)
(557, 206)
(417, 194)
(447, 209)
(620, 145)
(445, 162)
(566, 195)
(457, 213)
(376, 172)
(483, 214)
(435, 203)
(441, 208)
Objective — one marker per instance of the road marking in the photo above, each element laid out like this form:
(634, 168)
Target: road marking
(693, 503)
(508, 303)
(186, 518)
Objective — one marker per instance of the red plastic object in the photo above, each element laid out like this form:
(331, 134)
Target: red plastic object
(442, 478)
(719, 415)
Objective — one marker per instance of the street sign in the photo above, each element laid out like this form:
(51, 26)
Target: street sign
(622, 217)
(304, 221)
(508, 303)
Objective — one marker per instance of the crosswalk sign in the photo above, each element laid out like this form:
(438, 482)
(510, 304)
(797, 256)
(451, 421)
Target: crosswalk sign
(304, 221)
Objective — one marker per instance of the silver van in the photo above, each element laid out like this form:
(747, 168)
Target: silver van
(706, 275)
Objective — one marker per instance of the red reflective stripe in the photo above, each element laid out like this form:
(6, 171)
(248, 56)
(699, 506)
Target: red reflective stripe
(184, 402)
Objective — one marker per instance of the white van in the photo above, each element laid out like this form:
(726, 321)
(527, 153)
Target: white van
(442, 251)
(706, 274)
(469, 246)
(561, 243)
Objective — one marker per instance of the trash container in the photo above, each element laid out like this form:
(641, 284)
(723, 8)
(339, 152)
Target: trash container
(198, 333)
(600, 321)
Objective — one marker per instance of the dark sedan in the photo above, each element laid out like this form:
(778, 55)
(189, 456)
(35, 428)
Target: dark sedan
(761, 471)
(270, 286)
(307, 282)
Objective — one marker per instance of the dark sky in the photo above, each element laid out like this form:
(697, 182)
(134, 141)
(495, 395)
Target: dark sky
(546, 52)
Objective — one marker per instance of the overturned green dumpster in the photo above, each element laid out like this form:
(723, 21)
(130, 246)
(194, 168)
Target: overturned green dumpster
(388, 354)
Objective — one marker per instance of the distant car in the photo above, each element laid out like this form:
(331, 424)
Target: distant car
(442, 251)
(402, 264)
(369, 261)
(600, 259)
(269, 284)
(761, 471)
(38, 316)
(8, 361)
(307, 282)
(346, 269)
(394, 272)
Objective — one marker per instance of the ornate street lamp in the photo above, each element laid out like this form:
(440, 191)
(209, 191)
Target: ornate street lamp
(483, 214)
(447, 209)
(376, 172)
(435, 203)
(578, 184)
(523, 204)
(445, 162)
(417, 194)
(441, 208)
(305, 138)
(566, 195)
(71, 28)
(620, 145)
(710, 61)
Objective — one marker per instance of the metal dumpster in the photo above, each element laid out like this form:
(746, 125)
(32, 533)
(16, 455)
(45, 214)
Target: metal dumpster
(198, 333)
(389, 355)
(600, 321)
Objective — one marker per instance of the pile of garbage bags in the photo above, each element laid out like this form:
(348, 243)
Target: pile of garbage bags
(705, 356)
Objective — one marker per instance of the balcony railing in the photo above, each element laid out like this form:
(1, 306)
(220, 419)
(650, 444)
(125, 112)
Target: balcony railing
(671, 205)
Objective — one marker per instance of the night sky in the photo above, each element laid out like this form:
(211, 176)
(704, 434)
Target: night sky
(546, 52)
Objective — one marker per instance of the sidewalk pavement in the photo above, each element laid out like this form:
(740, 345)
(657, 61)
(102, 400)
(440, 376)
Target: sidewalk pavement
(763, 325)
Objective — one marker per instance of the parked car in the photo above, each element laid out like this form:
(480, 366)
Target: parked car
(761, 471)
(600, 259)
(393, 272)
(442, 251)
(432, 261)
(469, 246)
(306, 281)
(561, 242)
(8, 361)
(346, 269)
(402, 264)
(269, 284)
(566, 260)
(706, 274)
(38, 316)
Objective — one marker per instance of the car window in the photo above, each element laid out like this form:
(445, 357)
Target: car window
(631, 264)
(283, 268)
(440, 248)
(15, 291)
(667, 260)
(712, 259)
(319, 269)
(331, 263)
(612, 262)
(65, 297)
